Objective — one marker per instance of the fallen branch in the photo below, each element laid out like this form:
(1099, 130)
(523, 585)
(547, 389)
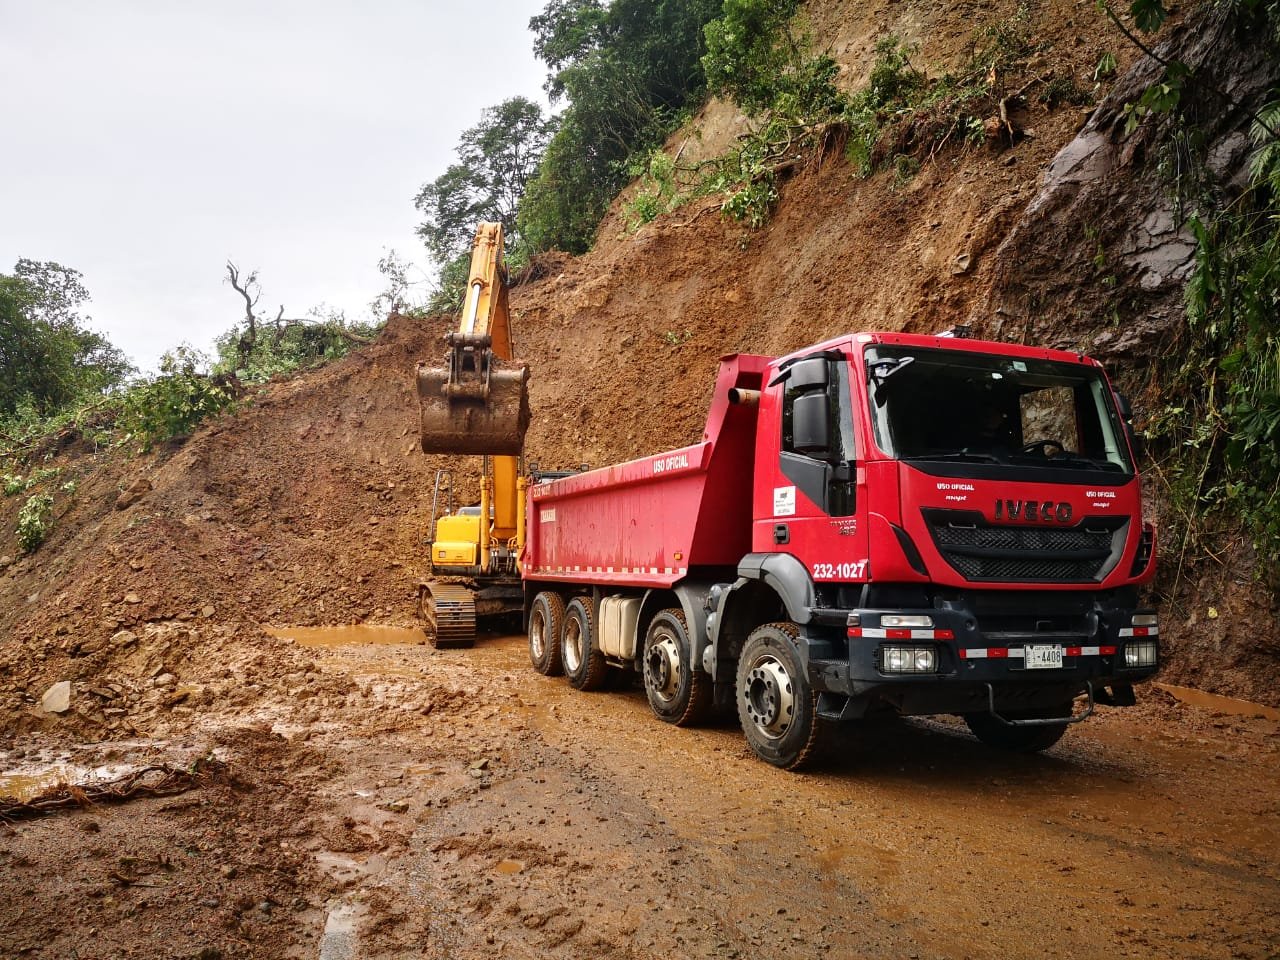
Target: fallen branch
(160, 780)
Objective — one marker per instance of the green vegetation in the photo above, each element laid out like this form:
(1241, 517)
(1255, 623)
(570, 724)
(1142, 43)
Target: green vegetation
(48, 356)
(35, 521)
(495, 161)
(759, 55)
(171, 404)
(628, 70)
(1217, 430)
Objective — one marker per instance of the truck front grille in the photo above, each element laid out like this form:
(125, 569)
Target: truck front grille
(978, 550)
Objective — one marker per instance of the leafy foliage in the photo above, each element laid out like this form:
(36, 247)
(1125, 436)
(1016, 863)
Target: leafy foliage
(496, 159)
(35, 521)
(752, 53)
(48, 357)
(1219, 424)
(627, 69)
(170, 405)
(899, 119)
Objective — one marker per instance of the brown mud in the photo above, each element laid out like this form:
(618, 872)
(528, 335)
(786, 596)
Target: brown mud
(456, 804)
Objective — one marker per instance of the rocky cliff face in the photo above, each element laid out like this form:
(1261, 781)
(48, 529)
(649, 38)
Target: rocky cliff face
(1099, 258)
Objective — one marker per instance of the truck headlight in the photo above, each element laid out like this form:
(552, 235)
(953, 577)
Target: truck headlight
(1146, 620)
(908, 660)
(1140, 653)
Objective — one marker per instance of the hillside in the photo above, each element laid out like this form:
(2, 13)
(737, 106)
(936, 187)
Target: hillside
(310, 505)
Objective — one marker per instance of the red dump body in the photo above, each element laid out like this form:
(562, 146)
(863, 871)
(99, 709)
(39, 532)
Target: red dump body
(646, 522)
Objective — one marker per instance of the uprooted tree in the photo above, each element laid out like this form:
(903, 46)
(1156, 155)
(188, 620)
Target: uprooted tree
(262, 346)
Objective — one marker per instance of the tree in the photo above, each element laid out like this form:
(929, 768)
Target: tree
(627, 68)
(264, 346)
(48, 357)
(495, 161)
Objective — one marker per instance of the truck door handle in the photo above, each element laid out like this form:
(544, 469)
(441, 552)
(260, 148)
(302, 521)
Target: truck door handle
(781, 534)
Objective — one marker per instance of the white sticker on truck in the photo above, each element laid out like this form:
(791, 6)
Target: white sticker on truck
(784, 501)
(548, 515)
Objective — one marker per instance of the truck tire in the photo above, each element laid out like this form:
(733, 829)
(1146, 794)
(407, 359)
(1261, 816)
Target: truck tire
(546, 622)
(993, 733)
(777, 705)
(584, 664)
(677, 692)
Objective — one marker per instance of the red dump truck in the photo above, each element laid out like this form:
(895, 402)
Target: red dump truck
(879, 523)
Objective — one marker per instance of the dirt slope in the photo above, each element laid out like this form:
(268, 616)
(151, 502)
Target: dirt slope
(310, 505)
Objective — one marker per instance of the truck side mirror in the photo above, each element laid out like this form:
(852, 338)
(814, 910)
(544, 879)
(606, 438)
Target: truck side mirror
(808, 375)
(1136, 443)
(811, 425)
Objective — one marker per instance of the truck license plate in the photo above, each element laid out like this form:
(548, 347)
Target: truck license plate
(1042, 657)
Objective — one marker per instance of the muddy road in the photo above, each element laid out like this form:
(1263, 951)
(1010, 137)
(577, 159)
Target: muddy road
(390, 800)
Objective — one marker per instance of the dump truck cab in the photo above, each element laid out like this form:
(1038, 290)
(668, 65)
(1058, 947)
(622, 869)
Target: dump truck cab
(952, 526)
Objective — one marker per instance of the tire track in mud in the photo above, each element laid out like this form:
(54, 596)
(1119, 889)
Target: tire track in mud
(555, 823)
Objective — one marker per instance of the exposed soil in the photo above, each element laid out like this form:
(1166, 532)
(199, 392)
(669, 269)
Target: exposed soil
(456, 804)
(383, 799)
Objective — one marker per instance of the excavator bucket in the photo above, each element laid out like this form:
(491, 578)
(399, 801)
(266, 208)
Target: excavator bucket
(474, 403)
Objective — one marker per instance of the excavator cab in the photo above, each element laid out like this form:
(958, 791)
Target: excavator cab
(477, 400)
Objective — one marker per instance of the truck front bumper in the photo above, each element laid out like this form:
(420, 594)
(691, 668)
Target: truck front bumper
(955, 659)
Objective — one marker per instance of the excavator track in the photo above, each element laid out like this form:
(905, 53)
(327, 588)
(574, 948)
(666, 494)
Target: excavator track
(448, 612)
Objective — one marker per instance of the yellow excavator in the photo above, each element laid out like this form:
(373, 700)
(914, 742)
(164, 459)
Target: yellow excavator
(476, 402)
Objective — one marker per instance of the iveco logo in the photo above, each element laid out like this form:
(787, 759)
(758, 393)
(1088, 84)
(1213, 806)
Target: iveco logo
(1033, 510)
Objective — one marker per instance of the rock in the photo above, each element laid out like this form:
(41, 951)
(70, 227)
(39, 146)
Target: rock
(6, 561)
(124, 638)
(165, 680)
(133, 493)
(132, 598)
(207, 611)
(57, 699)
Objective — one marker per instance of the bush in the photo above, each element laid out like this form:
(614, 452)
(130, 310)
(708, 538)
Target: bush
(35, 521)
(172, 404)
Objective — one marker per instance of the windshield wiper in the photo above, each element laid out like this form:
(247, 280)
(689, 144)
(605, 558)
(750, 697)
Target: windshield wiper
(958, 455)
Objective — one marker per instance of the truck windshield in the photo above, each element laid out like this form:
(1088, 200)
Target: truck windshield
(945, 405)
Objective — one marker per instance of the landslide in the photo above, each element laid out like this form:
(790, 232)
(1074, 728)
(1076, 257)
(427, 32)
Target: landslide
(310, 504)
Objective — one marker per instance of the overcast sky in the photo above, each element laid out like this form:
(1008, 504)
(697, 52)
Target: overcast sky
(145, 143)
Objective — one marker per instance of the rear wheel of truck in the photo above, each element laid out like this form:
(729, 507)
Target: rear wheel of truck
(546, 621)
(1020, 739)
(777, 705)
(677, 692)
(584, 664)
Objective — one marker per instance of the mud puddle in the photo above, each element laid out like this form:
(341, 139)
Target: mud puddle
(350, 635)
(1219, 704)
(27, 783)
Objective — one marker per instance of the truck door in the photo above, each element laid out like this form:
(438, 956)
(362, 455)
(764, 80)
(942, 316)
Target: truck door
(808, 502)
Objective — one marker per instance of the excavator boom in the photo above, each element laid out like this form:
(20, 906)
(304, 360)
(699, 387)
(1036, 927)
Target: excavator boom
(477, 400)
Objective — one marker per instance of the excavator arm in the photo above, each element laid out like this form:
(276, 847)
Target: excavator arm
(477, 402)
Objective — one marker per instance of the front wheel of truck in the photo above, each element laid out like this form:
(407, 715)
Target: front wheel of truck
(1029, 739)
(777, 705)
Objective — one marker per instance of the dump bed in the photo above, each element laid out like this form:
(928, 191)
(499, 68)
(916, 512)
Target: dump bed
(647, 522)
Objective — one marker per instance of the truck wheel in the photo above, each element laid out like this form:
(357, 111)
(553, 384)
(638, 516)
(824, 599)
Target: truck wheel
(777, 705)
(1019, 739)
(546, 621)
(584, 664)
(677, 693)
